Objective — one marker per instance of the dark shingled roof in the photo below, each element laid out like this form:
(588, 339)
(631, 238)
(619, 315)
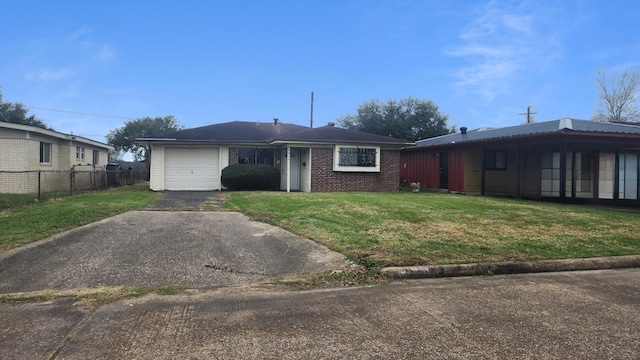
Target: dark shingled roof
(256, 132)
(235, 131)
(566, 125)
(334, 134)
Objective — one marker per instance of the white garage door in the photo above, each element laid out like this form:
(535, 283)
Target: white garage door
(191, 169)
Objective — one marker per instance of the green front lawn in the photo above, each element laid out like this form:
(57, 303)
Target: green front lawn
(436, 228)
(377, 228)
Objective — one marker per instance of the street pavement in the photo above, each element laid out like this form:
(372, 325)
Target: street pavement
(564, 315)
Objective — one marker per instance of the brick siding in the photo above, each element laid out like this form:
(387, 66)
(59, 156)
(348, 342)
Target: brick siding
(324, 179)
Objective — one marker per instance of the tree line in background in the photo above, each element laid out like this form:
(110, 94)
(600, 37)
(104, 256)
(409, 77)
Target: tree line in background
(617, 97)
(17, 113)
(409, 119)
(123, 139)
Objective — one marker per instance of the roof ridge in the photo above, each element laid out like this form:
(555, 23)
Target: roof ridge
(566, 123)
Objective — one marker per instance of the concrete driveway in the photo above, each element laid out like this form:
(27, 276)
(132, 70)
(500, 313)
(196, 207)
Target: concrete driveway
(188, 248)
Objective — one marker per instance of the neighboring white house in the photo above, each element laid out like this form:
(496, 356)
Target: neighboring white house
(30, 148)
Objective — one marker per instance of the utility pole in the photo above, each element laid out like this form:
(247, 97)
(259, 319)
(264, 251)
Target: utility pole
(529, 114)
(311, 122)
(1, 114)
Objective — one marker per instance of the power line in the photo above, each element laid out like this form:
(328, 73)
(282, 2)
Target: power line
(104, 116)
(80, 113)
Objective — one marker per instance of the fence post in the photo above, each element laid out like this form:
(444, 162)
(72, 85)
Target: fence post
(71, 176)
(39, 182)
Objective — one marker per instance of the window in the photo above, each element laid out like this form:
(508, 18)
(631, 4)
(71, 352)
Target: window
(550, 176)
(256, 156)
(628, 176)
(356, 159)
(79, 153)
(585, 172)
(495, 160)
(45, 153)
(96, 157)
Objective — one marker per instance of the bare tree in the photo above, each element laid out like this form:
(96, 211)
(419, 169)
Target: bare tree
(617, 97)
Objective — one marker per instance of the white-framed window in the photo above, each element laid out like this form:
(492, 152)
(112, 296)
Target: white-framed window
(96, 158)
(45, 153)
(79, 153)
(356, 158)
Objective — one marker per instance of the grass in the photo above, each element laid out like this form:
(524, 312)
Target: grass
(28, 221)
(387, 229)
(11, 201)
(371, 229)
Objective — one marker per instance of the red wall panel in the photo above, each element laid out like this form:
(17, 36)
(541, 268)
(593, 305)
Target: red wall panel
(424, 166)
(420, 166)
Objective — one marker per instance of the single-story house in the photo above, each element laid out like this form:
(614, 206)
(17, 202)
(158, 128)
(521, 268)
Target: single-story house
(564, 160)
(30, 148)
(322, 159)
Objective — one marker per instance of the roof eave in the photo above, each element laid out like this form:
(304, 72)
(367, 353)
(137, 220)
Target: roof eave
(562, 132)
(55, 134)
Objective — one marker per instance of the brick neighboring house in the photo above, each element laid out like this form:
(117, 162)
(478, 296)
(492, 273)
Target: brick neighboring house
(564, 160)
(324, 159)
(30, 148)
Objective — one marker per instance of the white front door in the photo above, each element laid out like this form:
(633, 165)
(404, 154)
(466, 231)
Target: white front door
(294, 182)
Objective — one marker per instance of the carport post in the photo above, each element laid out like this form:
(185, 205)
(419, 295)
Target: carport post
(288, 169)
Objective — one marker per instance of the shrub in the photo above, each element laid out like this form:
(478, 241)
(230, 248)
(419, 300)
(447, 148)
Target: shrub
(251, 177)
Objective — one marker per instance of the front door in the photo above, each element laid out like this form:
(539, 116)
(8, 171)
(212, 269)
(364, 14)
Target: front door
(295, 170)
(444, 170)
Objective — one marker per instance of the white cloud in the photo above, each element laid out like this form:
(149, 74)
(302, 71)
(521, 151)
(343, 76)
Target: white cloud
(502, 41)
(518, 23)
(49, 75)
(107, 52)
(80, 36)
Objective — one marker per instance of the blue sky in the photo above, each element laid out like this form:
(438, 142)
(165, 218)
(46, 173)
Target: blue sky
(208, 62)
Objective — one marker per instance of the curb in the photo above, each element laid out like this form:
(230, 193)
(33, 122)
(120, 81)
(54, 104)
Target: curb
(502, 268)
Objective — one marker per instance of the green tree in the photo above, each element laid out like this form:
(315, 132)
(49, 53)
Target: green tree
(408, 119)
(617, 97)
(17, 113)
(124, 139)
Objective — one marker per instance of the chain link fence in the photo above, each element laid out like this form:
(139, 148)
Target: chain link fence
(46, 184)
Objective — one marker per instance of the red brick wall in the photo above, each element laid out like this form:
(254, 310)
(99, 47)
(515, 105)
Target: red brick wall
(324, 179)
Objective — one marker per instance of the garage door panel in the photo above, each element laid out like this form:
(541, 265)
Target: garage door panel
(191, 169)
